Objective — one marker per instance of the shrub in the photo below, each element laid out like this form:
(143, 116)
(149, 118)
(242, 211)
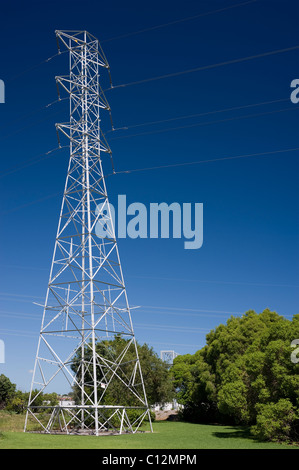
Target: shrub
(274, 421)
(7, 390)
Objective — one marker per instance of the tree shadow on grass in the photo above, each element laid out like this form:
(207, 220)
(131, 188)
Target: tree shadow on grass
(238, 432)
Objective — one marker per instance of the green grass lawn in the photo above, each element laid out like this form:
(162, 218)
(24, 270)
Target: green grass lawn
(166, 435)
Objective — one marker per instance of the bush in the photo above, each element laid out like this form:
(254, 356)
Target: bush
(135, 414)
(7, 390)
(274, 421)
(16, 404)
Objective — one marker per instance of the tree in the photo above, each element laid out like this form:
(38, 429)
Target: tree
(195, 386)
(243, 373)
(7, 390)
(19, 400)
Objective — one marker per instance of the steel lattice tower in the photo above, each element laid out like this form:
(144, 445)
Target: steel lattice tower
(86, 304)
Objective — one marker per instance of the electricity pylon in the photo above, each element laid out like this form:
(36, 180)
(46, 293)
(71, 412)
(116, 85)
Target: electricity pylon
(168, 357)
(86, 336)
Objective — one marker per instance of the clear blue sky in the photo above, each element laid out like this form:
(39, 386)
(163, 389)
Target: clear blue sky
(249, 258)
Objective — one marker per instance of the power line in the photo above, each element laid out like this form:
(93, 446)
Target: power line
(183, 329)
(198, 346)
(34, 67)
(22, 117)
(39, 158)
(183, 72)
(160, 278)
(259, 284)
(199, 314)
(190, 116)
(10, 266)
(31, 161)
(6, 332)
(188, 312)
(28, 126)
(36, 317)
(159, 131)
(30, 335)
(181, 312)
(150, 307)
(133, 170)
(170, 23)
(157, 327)
(19, 315)
(183, 309)
(195, 311)
(23, 206)
(206, 67)
(151, 28)
(47, 154)
(208, 161)
(7, 294)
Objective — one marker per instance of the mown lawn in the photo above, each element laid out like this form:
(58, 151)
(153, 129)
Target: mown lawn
(166, 435)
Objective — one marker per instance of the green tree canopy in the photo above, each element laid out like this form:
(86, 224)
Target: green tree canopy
(245, 365)
(7, 390)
